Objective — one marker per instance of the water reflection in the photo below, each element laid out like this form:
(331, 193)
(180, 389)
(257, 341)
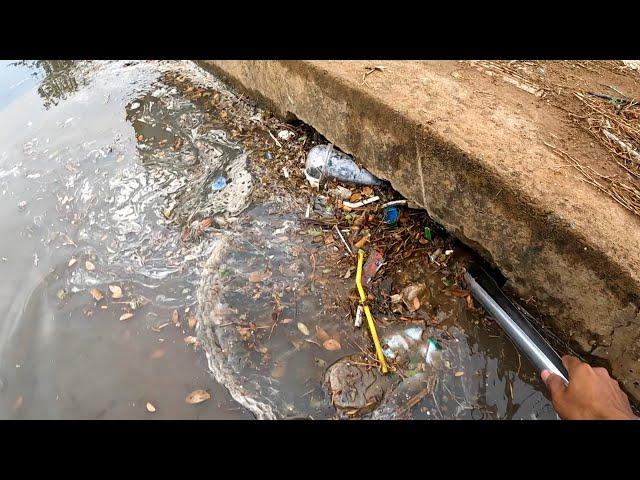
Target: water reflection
(58, 78)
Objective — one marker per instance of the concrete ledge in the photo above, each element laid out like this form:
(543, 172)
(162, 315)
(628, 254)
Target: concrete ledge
(471, 152)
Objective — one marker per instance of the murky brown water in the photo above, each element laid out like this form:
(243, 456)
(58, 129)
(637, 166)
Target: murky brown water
(89, 159)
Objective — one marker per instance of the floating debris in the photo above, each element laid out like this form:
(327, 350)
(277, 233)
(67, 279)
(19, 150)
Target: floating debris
(197, 396)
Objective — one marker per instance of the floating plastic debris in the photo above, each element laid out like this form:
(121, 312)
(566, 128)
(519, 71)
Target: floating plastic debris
(323, 161)
(218, 184)
(391, 215)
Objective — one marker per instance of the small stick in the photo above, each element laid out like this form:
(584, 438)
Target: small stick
(274, 139)
(343, 240)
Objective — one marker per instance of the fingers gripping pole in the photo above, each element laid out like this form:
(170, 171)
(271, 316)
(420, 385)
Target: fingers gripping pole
(367, 312)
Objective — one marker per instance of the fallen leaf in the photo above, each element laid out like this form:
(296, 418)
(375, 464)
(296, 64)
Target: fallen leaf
(190, 340)
(303, 328)
(197, 396)
(286, 320)
(279, 370)
(255, 277)
(150, 407)
(89, 266)
(397, 298)
(116, 291)
(457, 292)
(193, 321)
(368, 191)
(159, 353)
(159, 327)
(410, 296)
(125, 316)
(322, 334)
(72, 262)
(360, 243)
(412, 291)
(415, 304)
(97, 294)
(245, 333)
(358, 221)
(331, 345)
(469, 300)
(356, 197)
(459, 374)
(175, 317)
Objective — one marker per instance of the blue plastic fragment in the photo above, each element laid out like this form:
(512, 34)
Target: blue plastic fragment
(391, 215)
(218, 184)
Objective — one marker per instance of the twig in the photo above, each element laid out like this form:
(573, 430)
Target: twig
(343, 240)
(274, 138)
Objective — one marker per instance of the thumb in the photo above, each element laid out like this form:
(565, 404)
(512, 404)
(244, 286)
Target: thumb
(554, 383)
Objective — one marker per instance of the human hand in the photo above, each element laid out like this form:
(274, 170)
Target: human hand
(591, 394)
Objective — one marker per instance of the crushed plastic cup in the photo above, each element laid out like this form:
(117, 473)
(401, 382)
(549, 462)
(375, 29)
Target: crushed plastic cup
(323, 161)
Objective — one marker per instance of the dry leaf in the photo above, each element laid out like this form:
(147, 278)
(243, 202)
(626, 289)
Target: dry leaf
(410, 296)
(368, 191)
(255, 277)
(197, 396)
(193, 321)
(204, 224)
(97, 294)
(72, 262)
(322, 334)
(190, 340)
(356, 197)
(159, 353)
(331, 345)
(278, 370)
(286, 320)
(245, 333)
(459, 374)
(413, 291)
(397, 298)
(175, 317)
(150, 407)
(360, 243)
(415, 304)
(116, 291)
(457, 292)
(303, 328)
(469, 300)
(125, 316)
(89, 266)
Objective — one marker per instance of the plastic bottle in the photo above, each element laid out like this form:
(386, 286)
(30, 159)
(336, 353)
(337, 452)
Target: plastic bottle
(323, 161)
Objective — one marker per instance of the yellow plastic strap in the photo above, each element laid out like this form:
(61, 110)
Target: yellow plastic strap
(367, 312)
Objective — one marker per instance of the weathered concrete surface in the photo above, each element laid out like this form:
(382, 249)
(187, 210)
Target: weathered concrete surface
(470, 150)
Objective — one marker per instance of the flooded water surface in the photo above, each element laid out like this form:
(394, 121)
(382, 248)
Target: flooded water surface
(120, 182)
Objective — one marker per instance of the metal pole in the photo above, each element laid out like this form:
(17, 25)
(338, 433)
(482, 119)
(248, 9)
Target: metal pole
(525, 344)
